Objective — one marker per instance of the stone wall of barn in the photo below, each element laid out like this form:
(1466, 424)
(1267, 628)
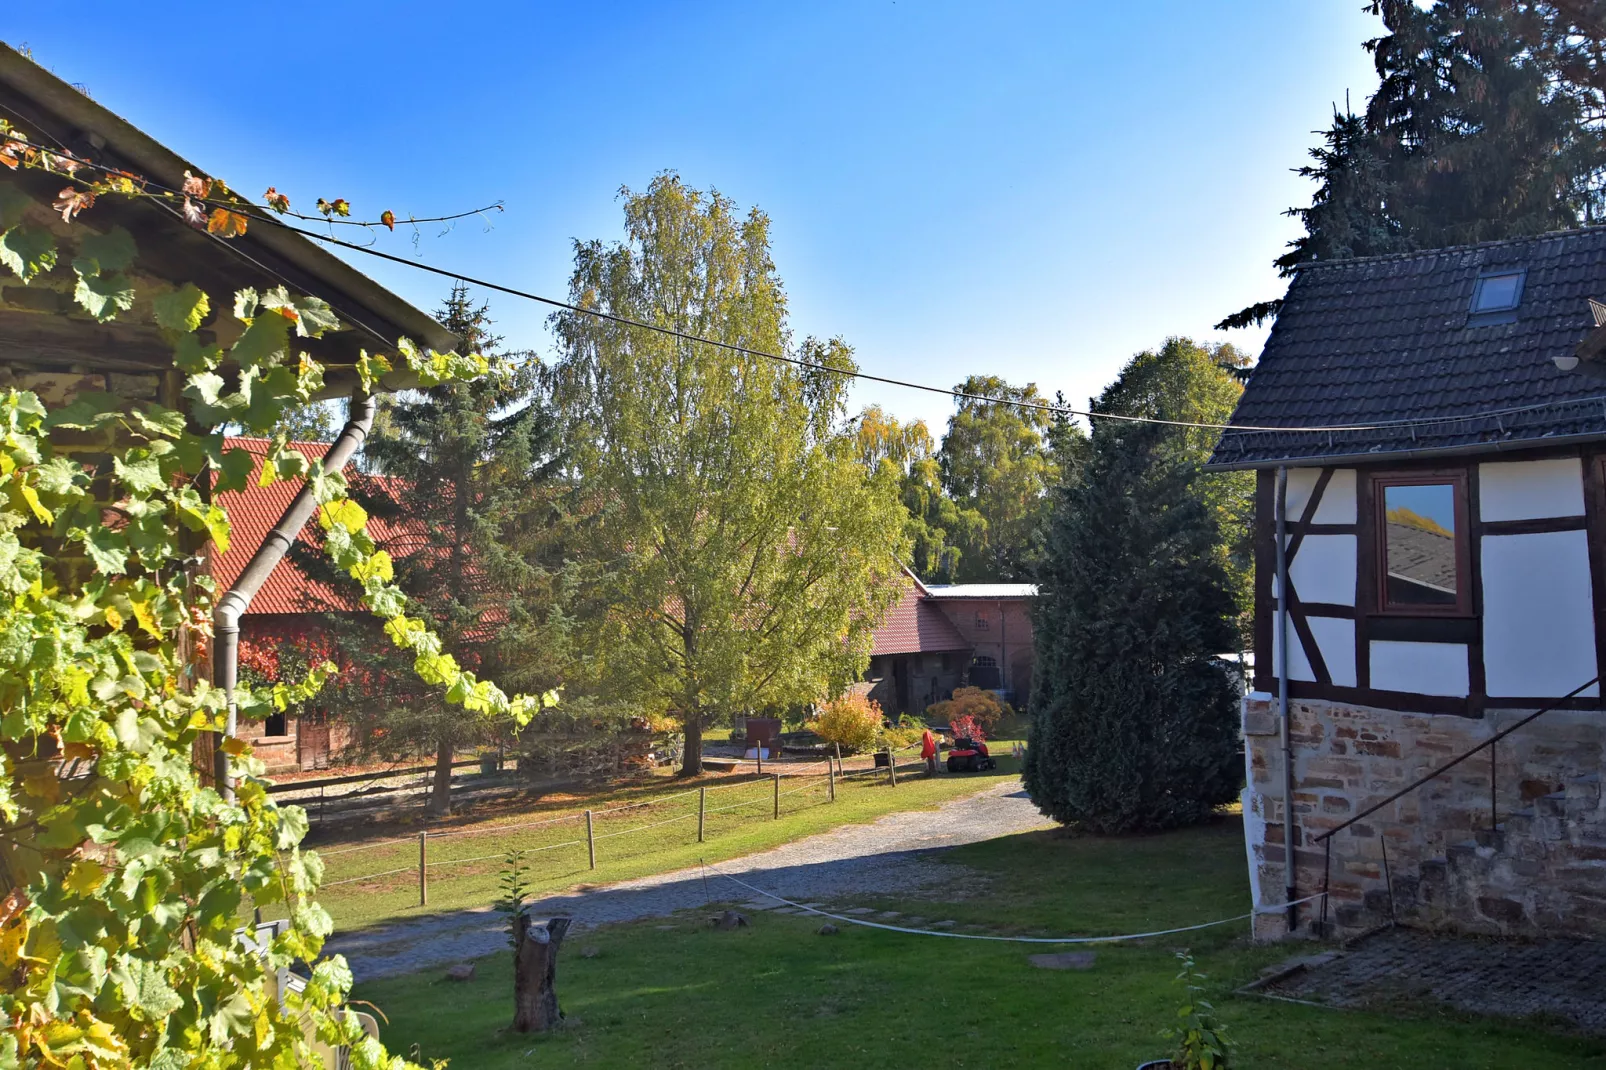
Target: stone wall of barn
(1431, 858)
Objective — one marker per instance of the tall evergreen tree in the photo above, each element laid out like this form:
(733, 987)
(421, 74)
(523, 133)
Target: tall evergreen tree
(1486, 124)
(1134, 717)
(1139, 592)
(470, 482)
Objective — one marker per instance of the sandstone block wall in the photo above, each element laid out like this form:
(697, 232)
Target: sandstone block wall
(1433, 857)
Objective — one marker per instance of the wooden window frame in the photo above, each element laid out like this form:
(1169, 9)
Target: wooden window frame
(1464, 604)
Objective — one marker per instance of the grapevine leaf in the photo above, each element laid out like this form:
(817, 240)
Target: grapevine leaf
(103, 296)
(264, 342)
(107, 550)
(225, 224)
(161, 421)
(146, 987)
(182, 309)
(234, 470)
(58, 477)
(89, 411)
(315, 317)
(192, 357)
(142, 475)
(113, 250)
(27, 251)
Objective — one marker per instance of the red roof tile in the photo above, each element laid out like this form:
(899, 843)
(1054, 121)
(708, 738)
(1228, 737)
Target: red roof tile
(915, 626)
(252, 514)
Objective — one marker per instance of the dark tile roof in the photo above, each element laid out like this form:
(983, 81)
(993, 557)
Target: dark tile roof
(1386, 340)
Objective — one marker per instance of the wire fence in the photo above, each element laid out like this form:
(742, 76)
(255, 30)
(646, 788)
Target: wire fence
(404, 869)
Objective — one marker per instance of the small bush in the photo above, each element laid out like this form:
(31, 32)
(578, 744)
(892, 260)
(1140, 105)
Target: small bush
(967, 728)
(982, 707)
(905, 732)
(852, 722)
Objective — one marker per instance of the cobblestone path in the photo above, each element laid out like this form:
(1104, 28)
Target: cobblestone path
(888, 855)
(1560, 978)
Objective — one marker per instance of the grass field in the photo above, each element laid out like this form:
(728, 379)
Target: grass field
(778, 995)
(639, 830)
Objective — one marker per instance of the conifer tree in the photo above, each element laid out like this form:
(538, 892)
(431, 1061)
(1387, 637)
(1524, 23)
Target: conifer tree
(1134, 722)
(469, 472)
(1140, 591)
(1486, 124)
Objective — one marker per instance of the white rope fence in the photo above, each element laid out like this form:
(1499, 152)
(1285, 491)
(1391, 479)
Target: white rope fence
(1275, 909)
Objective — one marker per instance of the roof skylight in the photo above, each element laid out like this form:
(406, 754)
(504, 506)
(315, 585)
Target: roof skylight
(1497, 291)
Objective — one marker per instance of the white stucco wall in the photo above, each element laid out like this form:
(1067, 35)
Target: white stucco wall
(1338, 500)
(1531, 490)
(1298, 665)
(1420, 668)
(1323, 569)
(1538, 614)
(1336, 640)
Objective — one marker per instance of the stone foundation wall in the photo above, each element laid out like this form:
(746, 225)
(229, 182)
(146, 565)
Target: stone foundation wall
(1432, 856)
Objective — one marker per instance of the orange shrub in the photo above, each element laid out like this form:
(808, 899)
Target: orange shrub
(980, 706)
(852, 722)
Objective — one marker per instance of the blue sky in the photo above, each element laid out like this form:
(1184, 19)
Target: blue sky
(1035, 190)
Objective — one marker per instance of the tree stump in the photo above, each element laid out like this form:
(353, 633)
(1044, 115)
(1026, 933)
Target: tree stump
(535, 967)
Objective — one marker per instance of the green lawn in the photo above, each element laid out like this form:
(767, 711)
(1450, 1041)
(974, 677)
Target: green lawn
(778, 995)
(466, 858)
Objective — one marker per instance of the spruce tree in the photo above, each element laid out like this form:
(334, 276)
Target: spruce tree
(1135, 719)
(1486, 124)
(472, 488)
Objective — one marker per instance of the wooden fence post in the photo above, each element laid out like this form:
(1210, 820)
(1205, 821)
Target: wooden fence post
(837, 747)
(830, 778)
(892, 767)
(423, 881)
(591, 840)
(702, 811)
(777, 796)
(758, 752)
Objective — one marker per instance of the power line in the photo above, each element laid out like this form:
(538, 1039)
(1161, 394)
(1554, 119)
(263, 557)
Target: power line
(261, 214)
(1065, 410)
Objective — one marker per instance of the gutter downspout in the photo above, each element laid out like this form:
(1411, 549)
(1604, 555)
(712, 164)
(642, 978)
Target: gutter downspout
(1282, 697)
(232, 605)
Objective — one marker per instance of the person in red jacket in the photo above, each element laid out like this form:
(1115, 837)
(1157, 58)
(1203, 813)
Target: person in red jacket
(928, 751)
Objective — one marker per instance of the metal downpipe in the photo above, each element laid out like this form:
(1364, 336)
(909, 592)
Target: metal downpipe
(232, 604)
(1289, 883)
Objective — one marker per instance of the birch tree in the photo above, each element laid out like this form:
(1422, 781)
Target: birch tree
(748, 554)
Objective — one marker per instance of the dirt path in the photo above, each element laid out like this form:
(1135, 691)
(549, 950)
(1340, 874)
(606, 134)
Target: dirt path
(889, 855)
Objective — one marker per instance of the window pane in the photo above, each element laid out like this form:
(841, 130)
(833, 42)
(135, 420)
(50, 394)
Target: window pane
(1420, 544)
(1497, 292)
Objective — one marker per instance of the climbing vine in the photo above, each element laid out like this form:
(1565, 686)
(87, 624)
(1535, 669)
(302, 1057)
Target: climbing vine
(125, 877)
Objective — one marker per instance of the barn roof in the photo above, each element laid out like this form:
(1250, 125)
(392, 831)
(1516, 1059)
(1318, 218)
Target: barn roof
(253, 513)
(1393, 343)
(914, 625)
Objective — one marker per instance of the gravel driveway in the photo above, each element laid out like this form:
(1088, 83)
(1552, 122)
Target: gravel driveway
(890, 855)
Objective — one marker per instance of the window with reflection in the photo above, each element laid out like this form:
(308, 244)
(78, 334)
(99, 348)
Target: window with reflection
(1422, 545)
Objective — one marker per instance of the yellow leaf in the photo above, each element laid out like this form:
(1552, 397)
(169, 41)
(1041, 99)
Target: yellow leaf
(234, 746)
(12, 939)
(85, 876)
(225, 223)
(147, 619)
(114, 619)
(31, 498)
(42, 786)
(346, 514)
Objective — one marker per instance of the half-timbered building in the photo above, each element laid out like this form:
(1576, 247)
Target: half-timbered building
(1429, 433)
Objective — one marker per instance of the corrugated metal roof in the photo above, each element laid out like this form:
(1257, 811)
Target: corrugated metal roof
(982, 590)
(1390, 339)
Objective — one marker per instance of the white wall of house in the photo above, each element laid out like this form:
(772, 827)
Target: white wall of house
(1538, 613)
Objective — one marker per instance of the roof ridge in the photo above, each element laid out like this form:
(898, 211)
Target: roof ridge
(1414, 254)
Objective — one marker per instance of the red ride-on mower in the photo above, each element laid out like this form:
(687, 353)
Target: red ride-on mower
(969, 756)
